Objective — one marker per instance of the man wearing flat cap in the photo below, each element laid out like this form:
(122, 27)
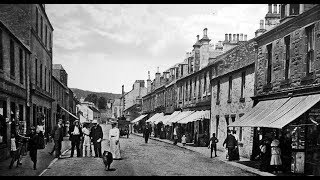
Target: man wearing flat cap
(96, 136)
(75, 137)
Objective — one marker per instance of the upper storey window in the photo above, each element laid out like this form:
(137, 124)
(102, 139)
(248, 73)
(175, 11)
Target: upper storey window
(289, 10)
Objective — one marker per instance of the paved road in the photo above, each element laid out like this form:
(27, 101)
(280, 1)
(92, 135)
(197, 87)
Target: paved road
(152, 159)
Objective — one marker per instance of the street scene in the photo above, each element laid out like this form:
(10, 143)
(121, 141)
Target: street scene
(159, 90)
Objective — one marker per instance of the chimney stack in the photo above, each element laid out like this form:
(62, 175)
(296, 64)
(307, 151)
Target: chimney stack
(241, 36)
(237, 37)
(205, 32)
(275, 8)
(226, 37)
(230, 38)
(197, 38)
(245, 37)
(261, 24)
(269, 8)
(148, 75)
(157, 69)
(122, 90)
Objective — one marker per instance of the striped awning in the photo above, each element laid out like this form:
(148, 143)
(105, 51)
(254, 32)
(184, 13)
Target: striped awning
(276, 113)
(180, 116)
(154, 117)
(198, 115)
(139, 118)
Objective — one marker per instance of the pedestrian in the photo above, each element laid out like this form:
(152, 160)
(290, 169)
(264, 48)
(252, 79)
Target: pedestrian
(275, 161)
(114, 141)
(236, 150)
(75, 133)
(57, 134)
(96, 136)
(147, 132)
(40, 131)
(175, 135)
(86, 140)
(265, 153)
(286, 151)
(213, 144)
(13, 152)
(33, 146)
(183, 140)
(231, 144)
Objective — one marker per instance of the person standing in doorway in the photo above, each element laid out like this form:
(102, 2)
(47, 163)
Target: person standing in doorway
(57, 134)
(147, 132)
(75, 137)
(96, 136)
(213, 144)
(114, 135)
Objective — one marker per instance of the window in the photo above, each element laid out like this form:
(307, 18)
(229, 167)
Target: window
(205, 83)
(287, 60)
(310, 49)
(12, 63)
(283, 11)
(230, 88)
(199, 91)
(36, 70)
(180, 92)
(41, 76)
(269, 63)
(21, 65)
(41, 28)
(294, 9)
(233, 118)
(49, 81)
(240, 128)
(190, 90)
(195, 87)
(181, 70)
(186, 91)
(218, 91)
(227, 120)
(45, 78)
(37, 24)
(3, 124)
(243, 82)
(1, 51)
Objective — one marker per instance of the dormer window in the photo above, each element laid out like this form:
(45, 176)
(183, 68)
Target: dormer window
(288, 10)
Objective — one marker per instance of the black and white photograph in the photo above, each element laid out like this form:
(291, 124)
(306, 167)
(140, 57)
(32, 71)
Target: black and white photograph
(160, 90)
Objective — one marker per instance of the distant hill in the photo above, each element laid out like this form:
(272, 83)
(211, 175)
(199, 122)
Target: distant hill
(83, 93)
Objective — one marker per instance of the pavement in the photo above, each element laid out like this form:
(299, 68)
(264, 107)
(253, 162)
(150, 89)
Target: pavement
(221, 156)
(44, 161)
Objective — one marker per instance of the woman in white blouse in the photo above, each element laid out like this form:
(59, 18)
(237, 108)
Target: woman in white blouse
(114, 141)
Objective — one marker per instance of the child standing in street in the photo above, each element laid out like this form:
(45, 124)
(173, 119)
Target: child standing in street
(213, 144)
(275, 161)
(183, 140)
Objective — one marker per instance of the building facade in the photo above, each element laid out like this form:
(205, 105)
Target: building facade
(14, 56)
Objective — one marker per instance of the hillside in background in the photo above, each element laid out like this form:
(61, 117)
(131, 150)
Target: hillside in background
(84, 93)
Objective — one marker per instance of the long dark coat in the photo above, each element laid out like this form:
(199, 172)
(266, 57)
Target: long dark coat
(96, 133)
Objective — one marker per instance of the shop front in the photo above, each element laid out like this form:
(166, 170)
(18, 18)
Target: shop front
(295, 122)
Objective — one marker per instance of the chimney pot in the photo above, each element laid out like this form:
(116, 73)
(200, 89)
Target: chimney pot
(148, 74)
(234, 37)
(157, 69)
(269, 8)
(261, 24)
(230, 38)
(237, 37)
(197, 38)
(245, 37)
(226, 37)
(205, 32)
(275, 8)
(241, 36)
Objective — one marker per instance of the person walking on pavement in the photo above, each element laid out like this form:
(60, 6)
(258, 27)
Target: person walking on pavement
(213, 144)
(57, 134)
(33, 146)
(75, 137)
(96, 136)
(86, 140)
(231, 145)
(114, 141)
(175, 135)
(147, 132)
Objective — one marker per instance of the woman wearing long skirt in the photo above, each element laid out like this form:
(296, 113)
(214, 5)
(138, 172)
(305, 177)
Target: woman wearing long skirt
(114, 142)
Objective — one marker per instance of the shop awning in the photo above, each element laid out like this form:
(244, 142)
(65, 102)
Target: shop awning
(154, 117)
(69, 113)
(171, 116)
(180, 116)
(139, 118)
(277, 113)
(195, 116)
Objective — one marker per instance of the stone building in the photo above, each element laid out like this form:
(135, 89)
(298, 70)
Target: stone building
(14, 93)
(286, 94)
(30, 23)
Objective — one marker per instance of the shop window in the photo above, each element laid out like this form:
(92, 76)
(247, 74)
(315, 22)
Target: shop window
(3, 124)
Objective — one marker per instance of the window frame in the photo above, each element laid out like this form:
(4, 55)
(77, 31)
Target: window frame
(12, 59)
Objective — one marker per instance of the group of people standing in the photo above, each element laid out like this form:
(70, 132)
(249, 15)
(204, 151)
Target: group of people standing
(86, 136)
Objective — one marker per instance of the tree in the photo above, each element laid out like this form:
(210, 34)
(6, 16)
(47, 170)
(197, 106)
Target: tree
(92, 98)
(102, 103)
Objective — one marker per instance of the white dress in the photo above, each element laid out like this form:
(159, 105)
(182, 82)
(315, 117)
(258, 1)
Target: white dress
(113, 138)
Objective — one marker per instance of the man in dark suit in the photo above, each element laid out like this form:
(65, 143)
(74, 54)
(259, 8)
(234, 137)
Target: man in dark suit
(147, 132)
(231, 145)
(96, 136)
(75, 137)
(57, 134)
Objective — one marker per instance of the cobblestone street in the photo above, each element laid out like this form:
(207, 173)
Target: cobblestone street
(152, 159)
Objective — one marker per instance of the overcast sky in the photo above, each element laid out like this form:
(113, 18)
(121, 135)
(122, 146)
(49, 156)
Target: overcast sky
(105, 46)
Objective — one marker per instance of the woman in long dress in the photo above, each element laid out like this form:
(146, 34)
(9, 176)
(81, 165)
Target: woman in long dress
(114, 141)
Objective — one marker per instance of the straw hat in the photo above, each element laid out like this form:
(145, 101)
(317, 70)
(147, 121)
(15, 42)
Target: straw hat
(275, 142)
(94, 121)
